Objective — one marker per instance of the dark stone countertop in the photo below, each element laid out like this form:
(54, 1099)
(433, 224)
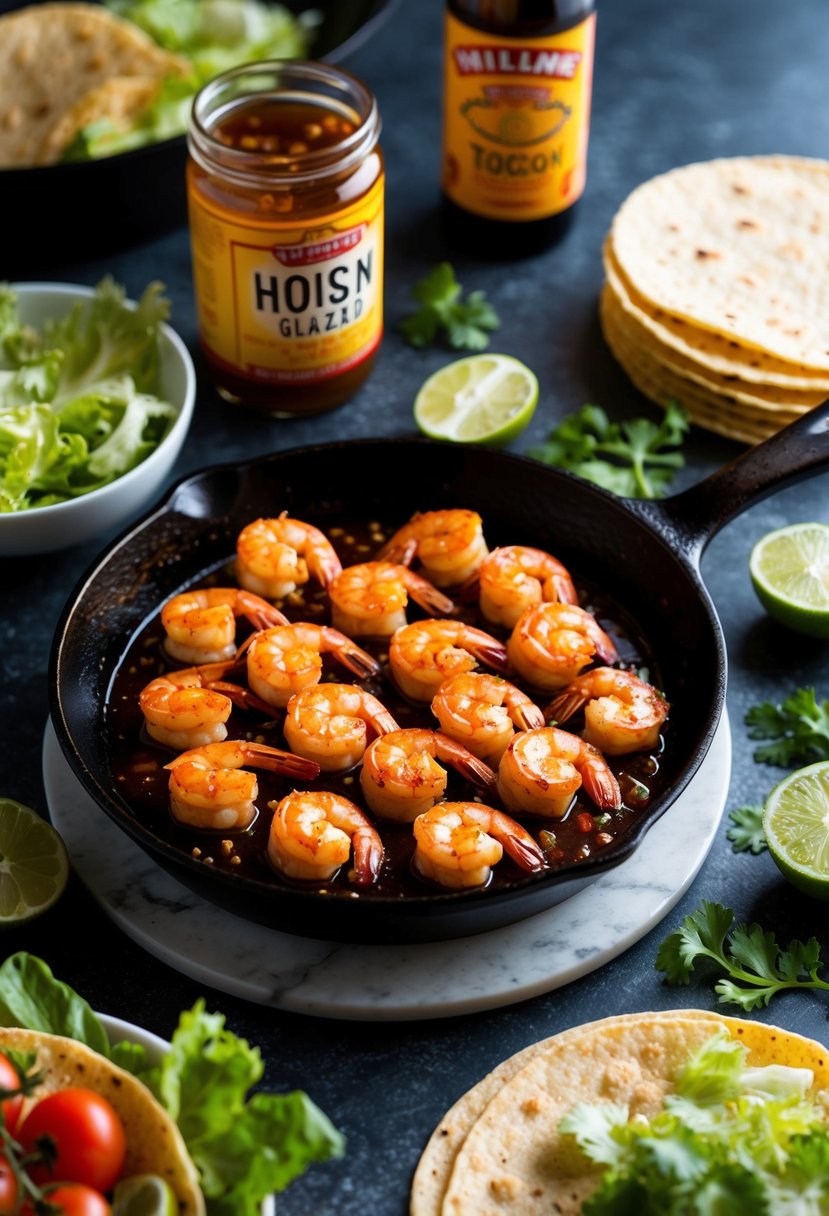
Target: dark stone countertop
(673, 84)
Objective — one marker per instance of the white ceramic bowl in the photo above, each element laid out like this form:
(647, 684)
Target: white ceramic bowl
(43, 529)
(155, 1047)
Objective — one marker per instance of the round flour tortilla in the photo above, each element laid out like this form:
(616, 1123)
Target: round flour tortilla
(708, 349)
(513, 1160)
(739, 247)
(154, 1143)
(431, 1177)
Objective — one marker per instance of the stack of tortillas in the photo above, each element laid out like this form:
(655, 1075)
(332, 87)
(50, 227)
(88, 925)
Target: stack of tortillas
(717, 291)
(499, 1151)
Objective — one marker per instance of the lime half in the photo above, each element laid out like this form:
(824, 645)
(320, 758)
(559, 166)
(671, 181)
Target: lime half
(481, 399)
(790, 572)
(144, 1195)
(796, 826)
(33, 863)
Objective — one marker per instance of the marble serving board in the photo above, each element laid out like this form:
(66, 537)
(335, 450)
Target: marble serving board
(330, 979)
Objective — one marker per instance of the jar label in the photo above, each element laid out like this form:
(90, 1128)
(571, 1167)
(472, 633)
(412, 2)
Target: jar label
(516, 120)
(284, 302)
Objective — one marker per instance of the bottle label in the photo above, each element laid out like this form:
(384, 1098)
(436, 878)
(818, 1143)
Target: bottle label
(516, 120)
(285, 302)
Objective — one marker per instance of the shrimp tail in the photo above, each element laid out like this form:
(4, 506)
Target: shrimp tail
(601, 786)
(528, 716)
(562, 707)
(259, 612)
(469, 590)
(492, 654)
(359, 661)
(429, 598)
(242, 698)
(368, 857)
(403, 552)
(450, 751)
(605, 648)
(563, 589)
(525, 853)
(278, 761)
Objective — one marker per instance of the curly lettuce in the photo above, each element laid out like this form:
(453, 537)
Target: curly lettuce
(78, 398)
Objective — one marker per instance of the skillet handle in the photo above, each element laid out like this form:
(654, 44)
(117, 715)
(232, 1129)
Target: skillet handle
(800, 450)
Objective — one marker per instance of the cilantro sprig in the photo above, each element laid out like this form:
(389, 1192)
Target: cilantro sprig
(797, 729)
(756, 967)
(444, 313)
(636, 458)
(746, 830)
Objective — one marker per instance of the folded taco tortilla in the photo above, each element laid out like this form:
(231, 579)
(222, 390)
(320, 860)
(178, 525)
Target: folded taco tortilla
(154, 1143)
(499, 1151)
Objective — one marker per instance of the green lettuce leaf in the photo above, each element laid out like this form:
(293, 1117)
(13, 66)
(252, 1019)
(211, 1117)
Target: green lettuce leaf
(245, 1146)
(78, 403)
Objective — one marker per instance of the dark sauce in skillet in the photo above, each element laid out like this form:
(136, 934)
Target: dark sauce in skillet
(137, 761)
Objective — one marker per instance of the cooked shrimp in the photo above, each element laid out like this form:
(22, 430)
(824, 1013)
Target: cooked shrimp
(201, 625)
(621, 712)
(181, 710)
(541, 771)
(482, 711)
(286, 659)
(401, 778)
(458, 843)
(450, 545)
(211, 788)
(329, 723)
(514, 577)
(422, 655)
(371, 598)
(313, 833)
(275, 556)
(552, 643)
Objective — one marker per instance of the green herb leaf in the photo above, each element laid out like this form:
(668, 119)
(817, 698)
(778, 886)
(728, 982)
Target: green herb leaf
(728, 1141)
(746, 831)
(635, 458)
(756, 967)
(244, 1147)
(31, 997)
(799, 729)
(443, 313)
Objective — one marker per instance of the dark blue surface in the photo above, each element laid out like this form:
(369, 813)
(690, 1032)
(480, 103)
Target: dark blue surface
(674, 83)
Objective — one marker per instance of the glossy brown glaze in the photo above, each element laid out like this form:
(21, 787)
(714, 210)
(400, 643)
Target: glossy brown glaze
(137, 762)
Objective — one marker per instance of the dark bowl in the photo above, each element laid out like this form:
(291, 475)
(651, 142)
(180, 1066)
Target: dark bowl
(58, 213)
(605, 540)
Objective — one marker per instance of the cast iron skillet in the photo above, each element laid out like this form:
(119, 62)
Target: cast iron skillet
(64, 211)
(647, 555)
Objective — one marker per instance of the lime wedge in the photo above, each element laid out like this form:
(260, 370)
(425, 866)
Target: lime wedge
(33, 863)
(790, 573)
(796, 826)
(144, 1195)
(481, 399)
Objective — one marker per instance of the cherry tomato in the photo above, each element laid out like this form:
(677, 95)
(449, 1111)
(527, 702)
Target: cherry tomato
(8, 1188)
(88, 1137)
(74, 1199)
(9, 1079)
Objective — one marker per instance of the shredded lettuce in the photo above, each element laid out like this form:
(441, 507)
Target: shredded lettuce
(213, 35)
(78, 400)
(729, 1141)
(246, 1143)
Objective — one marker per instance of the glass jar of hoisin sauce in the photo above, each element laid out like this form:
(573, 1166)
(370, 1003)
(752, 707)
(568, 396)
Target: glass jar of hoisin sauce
(285, 193)
(516, 117)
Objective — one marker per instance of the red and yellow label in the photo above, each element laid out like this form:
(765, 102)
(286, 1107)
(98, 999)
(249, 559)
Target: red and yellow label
(516, 120)
(285, 302)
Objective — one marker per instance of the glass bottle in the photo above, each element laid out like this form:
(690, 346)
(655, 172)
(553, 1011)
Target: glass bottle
(285, 195)
(517, 90)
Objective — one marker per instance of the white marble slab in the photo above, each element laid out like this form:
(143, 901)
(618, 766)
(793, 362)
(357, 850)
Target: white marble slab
(441, 979)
